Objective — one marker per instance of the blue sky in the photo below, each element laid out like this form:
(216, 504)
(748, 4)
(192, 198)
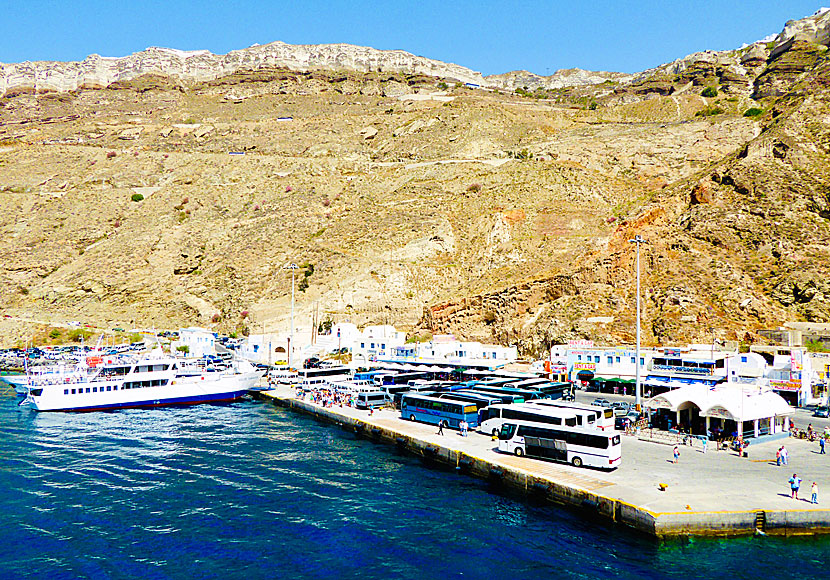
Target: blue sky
(490, 37)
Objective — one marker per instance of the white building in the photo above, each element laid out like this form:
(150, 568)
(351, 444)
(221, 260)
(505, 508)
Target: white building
(199, 341)
(444, 349)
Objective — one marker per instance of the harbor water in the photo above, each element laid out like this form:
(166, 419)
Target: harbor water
(251, 491)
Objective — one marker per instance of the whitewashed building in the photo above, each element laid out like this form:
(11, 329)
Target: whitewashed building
(199, 342)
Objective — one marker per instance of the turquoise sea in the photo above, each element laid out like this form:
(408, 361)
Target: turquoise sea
(252, 491)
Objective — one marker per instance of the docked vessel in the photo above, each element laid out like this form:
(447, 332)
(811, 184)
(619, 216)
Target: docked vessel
(125, 381)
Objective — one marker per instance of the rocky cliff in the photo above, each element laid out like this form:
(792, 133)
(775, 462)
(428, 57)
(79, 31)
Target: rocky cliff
(202, 65)
(164, 200)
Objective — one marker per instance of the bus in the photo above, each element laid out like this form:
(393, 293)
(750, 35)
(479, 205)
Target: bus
(480, 401)
(371, 399)
(323, 375)
(493, 417)
(604, 416)
(573, 445)
(503, 398)
(526, 394)
(433, 410)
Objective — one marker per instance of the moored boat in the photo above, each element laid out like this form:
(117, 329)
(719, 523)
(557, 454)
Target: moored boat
(124, 381)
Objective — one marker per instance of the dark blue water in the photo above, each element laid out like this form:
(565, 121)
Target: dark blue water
(252, 491)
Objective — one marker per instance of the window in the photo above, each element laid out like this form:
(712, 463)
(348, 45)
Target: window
(87, 389)
(642, 361)
(73, 391)
(743, 359)
(66, 391)
(109, 389)
(383, 346)
(579, 357)
(372, 345)
(94, 389)
(610, 360)
(115, 388)
(618, 359)
(633, 360)
(596, 358)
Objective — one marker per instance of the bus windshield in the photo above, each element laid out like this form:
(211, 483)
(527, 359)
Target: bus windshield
(507, 431)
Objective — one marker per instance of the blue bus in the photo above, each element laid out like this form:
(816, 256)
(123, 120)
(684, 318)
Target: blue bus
(427, 409)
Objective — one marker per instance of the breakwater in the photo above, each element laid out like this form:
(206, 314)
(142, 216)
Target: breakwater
(631, 496)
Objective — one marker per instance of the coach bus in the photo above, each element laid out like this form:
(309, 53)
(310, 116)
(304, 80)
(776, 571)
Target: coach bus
(427, 409)
(604, 416)
(574, 445)
(493, 417)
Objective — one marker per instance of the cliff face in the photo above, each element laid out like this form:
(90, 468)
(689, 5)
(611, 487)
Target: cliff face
(488, 214)
(201, 65)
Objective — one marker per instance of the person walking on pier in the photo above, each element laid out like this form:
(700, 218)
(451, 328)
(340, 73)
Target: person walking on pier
(785, 456)
(814, 493)
(676, 453)
(778, 456)
(795, 483)
(821, 445)
(440, 427)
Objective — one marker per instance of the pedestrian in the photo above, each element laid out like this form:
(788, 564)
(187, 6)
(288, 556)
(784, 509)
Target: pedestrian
(778, 456)
(821, 445)
(676, 453)
(705, 442)
(814, 493)
(795, 483)
(440, 427)
(462, 427)
(785, 456)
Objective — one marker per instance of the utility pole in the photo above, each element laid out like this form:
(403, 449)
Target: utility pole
(638, 388)
(293, 267)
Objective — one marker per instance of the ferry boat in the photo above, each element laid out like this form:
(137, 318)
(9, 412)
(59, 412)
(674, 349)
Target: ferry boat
(128, 381)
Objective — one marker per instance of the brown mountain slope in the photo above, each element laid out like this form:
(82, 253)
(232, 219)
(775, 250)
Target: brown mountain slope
(486, 214)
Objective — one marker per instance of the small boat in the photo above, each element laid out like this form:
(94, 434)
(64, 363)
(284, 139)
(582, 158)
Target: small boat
(129, 381)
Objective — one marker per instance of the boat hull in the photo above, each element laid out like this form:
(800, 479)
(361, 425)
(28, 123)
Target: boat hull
(197, 390)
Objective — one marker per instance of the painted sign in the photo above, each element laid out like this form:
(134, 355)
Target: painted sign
(580, 344)
(795, 361)
(785, 385)
(585, 366)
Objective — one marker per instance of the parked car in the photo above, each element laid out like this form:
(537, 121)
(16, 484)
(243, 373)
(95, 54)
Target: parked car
(822, 411)
(601, 402)
(620, 421)
(620, 407)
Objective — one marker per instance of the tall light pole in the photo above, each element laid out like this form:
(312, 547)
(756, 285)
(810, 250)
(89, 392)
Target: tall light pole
(293, 267)
(638, 239)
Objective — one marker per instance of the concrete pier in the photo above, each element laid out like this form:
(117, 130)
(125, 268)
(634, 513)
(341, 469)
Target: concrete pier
(717, 493)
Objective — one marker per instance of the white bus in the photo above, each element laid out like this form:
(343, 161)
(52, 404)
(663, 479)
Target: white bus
(574, 445)
(589, 415)
(491, 418)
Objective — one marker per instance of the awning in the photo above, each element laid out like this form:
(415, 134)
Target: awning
(727, 401)
(585, 375)
(613, 379)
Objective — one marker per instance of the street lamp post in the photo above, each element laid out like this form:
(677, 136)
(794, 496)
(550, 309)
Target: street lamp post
(638, 239)
(293, 267)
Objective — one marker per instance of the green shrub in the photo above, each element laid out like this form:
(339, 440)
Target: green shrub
(709, 92)
(753, 112)
(55, 333)
(137, 197)
(183, 348)
(709, 111)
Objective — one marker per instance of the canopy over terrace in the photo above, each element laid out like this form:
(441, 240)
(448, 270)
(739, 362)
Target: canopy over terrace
(750, 411)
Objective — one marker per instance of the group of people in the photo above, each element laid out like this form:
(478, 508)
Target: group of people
(782, 456)
(795, 485)
(463, 427)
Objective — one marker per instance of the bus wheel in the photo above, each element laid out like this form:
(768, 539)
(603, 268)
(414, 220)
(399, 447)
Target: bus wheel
(412, 418)
(519, 451)
(577, 462)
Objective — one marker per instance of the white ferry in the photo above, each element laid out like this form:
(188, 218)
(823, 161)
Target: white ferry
(124, 381)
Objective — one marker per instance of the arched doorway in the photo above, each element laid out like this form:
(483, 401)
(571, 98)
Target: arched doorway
(689, 419)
